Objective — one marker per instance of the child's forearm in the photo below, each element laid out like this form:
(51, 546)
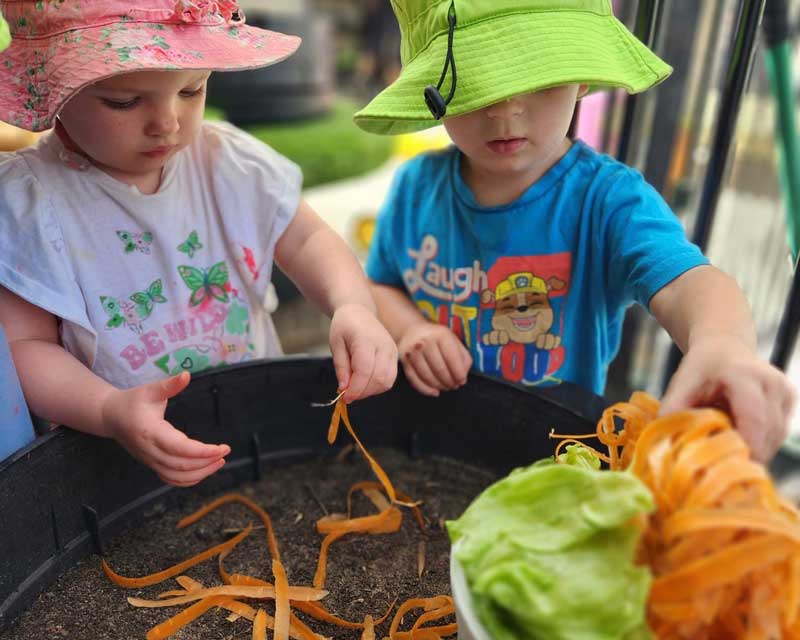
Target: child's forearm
(704, 304)
(59, 388)
(339, 279)
(322, 266)
(396, 310)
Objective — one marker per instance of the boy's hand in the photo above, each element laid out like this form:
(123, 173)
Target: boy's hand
(725, 373)
(135, 419)
(364, 354)
(434, 359)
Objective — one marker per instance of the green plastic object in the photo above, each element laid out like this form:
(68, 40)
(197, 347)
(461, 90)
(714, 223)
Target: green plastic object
(779, 67)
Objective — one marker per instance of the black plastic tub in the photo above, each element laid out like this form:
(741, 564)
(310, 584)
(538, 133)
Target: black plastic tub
(64, 494)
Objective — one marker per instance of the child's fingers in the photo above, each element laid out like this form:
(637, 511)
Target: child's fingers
(341, 363)
(439, 367)
(362, 366)
(163, 461)
(416, 360)
(780, 392)
(177, 444)
(389, 367)
(751, 415)
(779, 398)
(171, 387)
(453, 352)
(681, 393)
(789, 402)
(384, 372)
(417, 382)
(189, 478)
(466, 359)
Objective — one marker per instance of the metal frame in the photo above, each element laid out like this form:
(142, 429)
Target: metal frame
(649, 17)
(741, 56)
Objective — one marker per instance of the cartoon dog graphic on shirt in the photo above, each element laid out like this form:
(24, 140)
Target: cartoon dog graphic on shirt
(522, 311)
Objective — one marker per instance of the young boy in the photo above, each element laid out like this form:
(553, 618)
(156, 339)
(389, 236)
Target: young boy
(517, 251)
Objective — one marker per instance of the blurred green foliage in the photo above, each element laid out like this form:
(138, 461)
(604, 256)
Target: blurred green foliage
(213, 113)
(329, 148)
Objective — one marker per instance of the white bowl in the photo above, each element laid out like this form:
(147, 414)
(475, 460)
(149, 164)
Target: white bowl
(469, 627)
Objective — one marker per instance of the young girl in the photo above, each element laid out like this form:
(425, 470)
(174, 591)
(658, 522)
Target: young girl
(136, 241)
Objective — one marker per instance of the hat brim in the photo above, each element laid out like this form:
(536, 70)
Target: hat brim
(39, 76)
(502, 57)
(5, 34)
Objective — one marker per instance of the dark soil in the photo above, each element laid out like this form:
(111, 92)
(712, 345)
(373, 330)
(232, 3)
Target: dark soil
(365, 572)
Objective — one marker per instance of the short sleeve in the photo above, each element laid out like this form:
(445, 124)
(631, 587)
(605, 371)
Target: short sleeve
(259, 192)
(34, 258)
(645, 244)
(382, 262)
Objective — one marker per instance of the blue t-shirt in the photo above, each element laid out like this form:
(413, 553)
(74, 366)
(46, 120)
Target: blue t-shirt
(536, 289)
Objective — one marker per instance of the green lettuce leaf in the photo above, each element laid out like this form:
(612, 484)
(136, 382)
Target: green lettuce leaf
(548, 552)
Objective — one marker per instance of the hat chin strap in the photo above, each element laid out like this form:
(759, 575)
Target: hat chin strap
(433, 98)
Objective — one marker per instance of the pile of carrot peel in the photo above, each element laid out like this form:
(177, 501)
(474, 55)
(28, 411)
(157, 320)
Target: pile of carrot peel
(431, 624)
(723, 546)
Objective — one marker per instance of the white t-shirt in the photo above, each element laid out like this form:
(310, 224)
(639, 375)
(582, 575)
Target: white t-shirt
(149, 285)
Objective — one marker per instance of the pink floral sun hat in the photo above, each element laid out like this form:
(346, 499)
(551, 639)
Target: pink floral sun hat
(61, 46)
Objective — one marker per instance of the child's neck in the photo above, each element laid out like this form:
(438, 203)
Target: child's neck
(492, 189)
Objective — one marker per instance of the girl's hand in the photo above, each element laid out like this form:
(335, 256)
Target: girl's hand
(135, 419)
(434, 359)
(364, 354)
(723, 372)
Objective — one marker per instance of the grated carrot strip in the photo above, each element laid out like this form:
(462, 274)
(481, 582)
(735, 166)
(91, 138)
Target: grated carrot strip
(230, 498)
(282, 608)
(436, 614)
(695, 520)
(569, 441)
(333, 429)
(318, 611)
(322, 561)
(155, 578)
(723, 546)
(341, 413)
(177, 622)
(428, 604)
(405, 500)
(723, 567)
(260, 625)
(369, 629)
(260, 593)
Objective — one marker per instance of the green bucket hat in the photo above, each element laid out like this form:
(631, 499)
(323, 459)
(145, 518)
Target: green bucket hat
(503, 48)
(5, 34)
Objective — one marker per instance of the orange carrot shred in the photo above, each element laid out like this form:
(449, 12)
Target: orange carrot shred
(260, 625)
(369, 629)
(316, 610)
(322, 561)
(177, 622)
(247, 502)
(333, 429)
(341, 413)
(155, 578)
(428, 604)
(723, 546)
(436, 614)
(282, 609)
(285, 623)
